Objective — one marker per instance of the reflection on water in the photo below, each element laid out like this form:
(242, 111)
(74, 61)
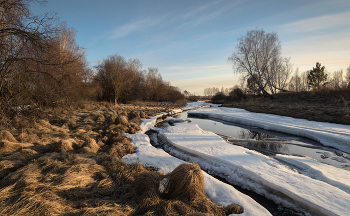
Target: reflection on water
(272, 146)
(275, 142)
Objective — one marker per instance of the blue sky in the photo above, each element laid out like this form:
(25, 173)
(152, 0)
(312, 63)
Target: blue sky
(190, 41)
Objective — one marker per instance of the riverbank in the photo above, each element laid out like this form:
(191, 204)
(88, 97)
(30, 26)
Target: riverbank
(327, 106)
(69, 163)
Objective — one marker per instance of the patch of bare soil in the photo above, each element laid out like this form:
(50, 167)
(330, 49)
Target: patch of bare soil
(69, 163)
(325, 106)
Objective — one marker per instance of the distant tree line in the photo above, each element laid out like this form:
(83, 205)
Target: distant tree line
(122, 80)
(211, 91)
(42, 65)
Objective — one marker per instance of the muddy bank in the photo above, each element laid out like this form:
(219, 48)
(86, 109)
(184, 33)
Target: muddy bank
(329, 106)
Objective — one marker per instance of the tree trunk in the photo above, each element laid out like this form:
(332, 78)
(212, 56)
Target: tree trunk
(267, 94)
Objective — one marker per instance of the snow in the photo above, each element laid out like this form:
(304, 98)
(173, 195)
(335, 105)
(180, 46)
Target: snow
(294, 182)
(148, 124)
(329, 134)
(314, 169)
(326, 193)
(195, 105)
(217, 191)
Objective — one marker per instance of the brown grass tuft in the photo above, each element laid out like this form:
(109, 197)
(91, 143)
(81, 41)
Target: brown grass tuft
(64, 145)
(134, 114)
(233, 209)
(28, 152)
(183, 195)
(6, 135)
(91, 145)
(121, 149)
(6, 146)
(121, 119)
(133, 128)
(185, 181)
(143, 115)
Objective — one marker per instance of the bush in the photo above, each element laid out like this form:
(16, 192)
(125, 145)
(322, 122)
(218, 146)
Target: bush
(237, 94)
(219, 98)
(193, 98)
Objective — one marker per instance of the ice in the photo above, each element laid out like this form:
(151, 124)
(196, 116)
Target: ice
(217, 191)
(294, 182)
(334, 176)
(262, 174)
(175, 120)
(148, 124)
(329, 134)
(196, 105)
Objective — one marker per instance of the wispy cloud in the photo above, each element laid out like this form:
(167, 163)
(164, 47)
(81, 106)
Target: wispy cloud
(319, 23)
(135, 26)
(204, 14)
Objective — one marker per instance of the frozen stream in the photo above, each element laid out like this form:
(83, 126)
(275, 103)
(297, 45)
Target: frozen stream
(292, 145)
(297, 183)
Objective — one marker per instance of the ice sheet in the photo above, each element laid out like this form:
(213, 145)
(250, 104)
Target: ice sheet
(260, 173)
(216, 190)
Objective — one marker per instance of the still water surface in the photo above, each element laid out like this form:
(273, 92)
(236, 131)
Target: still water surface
(292, 145)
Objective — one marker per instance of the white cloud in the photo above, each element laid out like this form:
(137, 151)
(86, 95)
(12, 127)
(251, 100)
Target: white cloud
(132, 27)
(319, 23)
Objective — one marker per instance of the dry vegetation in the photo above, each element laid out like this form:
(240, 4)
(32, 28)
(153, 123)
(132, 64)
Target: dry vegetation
(68, 162)
(325, 106)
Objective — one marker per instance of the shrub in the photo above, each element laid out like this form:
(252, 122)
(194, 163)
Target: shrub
(219, 98)
(237, 94)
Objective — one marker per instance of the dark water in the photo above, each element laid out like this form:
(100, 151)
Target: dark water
(292, 145)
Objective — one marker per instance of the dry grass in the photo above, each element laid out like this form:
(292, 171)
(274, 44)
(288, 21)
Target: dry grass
(6, 135)
(324, 106)
(121, 119)
(69, 164)
(182, 194)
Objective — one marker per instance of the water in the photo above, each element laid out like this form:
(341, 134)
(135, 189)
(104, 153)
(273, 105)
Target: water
(292, 145)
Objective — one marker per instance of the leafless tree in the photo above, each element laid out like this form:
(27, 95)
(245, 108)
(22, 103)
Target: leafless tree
(254, 54)
(336, 80)
(279, 71)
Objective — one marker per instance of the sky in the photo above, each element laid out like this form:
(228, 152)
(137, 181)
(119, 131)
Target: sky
(189, 41)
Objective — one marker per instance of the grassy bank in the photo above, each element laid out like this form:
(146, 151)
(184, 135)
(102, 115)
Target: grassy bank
(325, 106)
(69, 163)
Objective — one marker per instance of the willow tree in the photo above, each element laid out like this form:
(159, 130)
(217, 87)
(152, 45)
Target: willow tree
(255, 54)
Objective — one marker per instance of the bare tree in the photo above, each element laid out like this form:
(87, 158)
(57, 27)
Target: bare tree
(348, 75)
(113, 76)
(336, 80)
(279, 72)
(295, 83)
(254, 55)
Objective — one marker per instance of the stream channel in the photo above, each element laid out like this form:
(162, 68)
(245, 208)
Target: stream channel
(290, 145)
